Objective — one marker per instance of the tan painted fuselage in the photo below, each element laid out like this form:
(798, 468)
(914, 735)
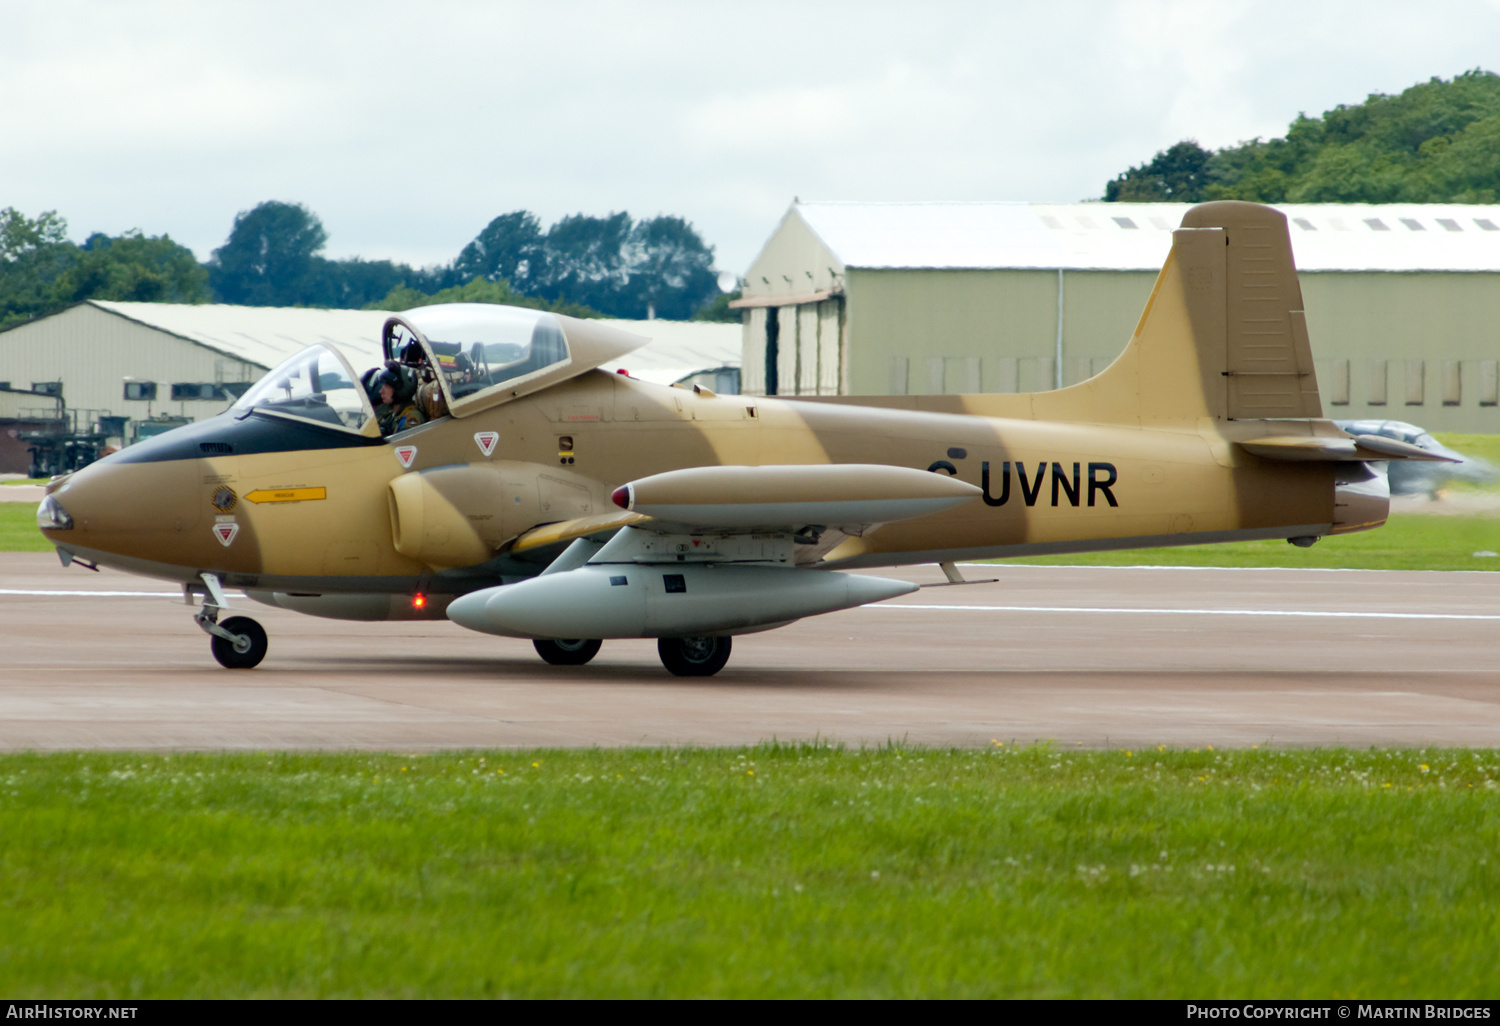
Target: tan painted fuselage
(1147, 453)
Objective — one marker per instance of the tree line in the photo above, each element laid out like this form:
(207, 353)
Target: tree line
(1436, 142)
(611, 266)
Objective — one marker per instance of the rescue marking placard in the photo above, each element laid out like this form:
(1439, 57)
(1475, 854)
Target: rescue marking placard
(286, 494)
(225, 533)
(486, 441)
(405, 454)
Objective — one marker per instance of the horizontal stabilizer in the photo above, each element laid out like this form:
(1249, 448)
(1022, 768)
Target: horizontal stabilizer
(790, 497)
(1357, 448)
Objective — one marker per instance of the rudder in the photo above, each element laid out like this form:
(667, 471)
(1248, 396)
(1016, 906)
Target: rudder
(1223, 335)
(1268, 359)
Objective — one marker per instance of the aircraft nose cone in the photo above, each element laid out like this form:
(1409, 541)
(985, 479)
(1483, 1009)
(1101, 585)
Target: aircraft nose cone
(127, 508)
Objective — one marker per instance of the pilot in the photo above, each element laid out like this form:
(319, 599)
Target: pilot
(395, 410)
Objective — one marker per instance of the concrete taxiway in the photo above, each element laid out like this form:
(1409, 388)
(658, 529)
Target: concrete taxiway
(1082, 656)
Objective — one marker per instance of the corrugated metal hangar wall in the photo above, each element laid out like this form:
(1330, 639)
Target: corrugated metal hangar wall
(881, 299)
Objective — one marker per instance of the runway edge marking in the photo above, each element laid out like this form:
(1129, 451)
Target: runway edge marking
(1192, 612)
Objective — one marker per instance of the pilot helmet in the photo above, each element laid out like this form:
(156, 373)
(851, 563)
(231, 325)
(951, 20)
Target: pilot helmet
(402, 385)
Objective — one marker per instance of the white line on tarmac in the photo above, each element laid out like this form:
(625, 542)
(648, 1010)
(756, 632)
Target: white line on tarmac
(95, 594)
(1216, 569)
(1191, 612)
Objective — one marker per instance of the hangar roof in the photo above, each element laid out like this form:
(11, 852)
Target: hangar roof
(263, 335)
(678, 349)
(1137, 236)
(266, 335)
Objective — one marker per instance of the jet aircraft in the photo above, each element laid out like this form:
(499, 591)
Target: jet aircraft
(1422, 477)
(543, 497)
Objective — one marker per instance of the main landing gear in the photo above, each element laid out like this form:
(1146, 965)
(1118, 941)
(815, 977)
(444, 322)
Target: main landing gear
(239, 642)
(568, 651)
(684, 657)
(693, 657)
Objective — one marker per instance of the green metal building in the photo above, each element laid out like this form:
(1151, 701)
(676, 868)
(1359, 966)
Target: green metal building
(923, 298)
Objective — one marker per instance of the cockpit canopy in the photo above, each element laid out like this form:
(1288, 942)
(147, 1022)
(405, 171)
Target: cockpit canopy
(316, 384)
(479, 354)
(485, 354)
(475, 348)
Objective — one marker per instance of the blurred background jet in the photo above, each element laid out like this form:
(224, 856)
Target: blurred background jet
(1409, 477)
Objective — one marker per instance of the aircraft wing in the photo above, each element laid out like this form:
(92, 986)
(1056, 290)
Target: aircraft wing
(570, 530)
(710, 551)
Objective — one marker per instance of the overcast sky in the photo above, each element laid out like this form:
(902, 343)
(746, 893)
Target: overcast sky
(407, 126)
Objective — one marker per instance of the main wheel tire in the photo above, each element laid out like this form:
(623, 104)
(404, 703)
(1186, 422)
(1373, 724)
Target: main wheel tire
(568, 651)
(250, 651)
(694, 657)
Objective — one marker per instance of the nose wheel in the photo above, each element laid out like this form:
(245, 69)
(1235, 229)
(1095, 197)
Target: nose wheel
(247, 648)
(238, 643)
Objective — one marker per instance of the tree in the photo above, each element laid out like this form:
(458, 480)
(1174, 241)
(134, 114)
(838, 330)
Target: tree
(669, 270)
(510, 247)
(1436, 142)
(353, 283)
(585, 261)
(268, 258)
(41, 272)
(33, 253)
(654, 267)
(1175, 175)
(477, 290)
(719, 310)
(134, 267)
(1465, 168)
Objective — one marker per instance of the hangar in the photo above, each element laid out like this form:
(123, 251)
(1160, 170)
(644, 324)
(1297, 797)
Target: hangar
(933, 298)
(125, 370)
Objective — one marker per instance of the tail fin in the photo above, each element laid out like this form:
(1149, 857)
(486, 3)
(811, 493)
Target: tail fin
(1223, 335)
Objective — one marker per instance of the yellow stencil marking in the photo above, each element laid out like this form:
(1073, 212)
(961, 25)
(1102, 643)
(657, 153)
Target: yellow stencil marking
(286, 494)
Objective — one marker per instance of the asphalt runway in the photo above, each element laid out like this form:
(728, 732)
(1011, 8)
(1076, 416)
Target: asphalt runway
(1096, 657)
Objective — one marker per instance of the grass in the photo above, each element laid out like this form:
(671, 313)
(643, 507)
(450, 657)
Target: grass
(768, 871)
(18, 531)
(1484, 447)
(1408, 541)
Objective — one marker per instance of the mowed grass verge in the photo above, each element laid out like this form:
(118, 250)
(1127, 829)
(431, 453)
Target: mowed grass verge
(18, 530)
(1407, 541)
(767, 871)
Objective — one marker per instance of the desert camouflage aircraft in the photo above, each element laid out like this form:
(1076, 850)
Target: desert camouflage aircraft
(540, 497)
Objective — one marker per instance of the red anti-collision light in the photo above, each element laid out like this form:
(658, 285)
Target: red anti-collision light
(621, 496)
(418, 600)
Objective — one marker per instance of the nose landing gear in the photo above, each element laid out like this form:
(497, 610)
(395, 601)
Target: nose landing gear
(238, 643)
